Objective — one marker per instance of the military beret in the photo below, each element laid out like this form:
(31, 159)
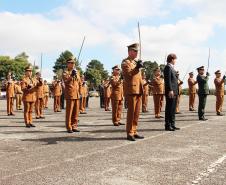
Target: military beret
(218, 72)
(28, 68)
(133, 47)
(116, 67)
(191, 73)
(200, 68)
(38, 73)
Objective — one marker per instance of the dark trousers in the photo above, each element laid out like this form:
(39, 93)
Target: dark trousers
(202, 105)
(101, 101)
(62, 101)
(170, 111)
(87, 101)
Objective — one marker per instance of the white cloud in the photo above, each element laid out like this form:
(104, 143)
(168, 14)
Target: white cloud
(106, 13)
(108, 23)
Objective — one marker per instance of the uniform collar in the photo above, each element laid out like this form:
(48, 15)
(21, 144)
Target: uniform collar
(171, 65)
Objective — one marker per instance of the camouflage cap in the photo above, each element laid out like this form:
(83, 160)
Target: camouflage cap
(134, 47)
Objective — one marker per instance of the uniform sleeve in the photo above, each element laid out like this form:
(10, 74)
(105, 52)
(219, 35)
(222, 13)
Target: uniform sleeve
(218, 83)
(127, 70)
(114, 82)
(66, 77)
(167, 78)
(23, 86)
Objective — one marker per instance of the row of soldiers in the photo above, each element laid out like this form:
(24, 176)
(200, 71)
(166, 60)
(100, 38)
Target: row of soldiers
(128, 84)
(107, 93)
(156, 86)
(34, 93)
(14, 91)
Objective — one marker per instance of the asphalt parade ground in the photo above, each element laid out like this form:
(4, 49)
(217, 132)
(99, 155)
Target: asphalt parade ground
(101, 155)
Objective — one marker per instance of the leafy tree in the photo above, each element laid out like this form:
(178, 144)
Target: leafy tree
(95, 72)
(149, 68)
(16, 66)
(61, 64)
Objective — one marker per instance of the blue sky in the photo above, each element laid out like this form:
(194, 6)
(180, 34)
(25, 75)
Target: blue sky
(29, 6)
(187, 28)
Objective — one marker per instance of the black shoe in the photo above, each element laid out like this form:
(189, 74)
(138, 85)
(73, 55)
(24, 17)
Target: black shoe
(203, 119)
(138, 136)
(42, 117)
(121, 123)
(220, 114)
(75, 130)
(83, 113)
(191, 109)
(116, 124)
(131, 138)
(37, 117)
(31, 125)
(169, 129)
(28, 126)
(175, 128)
(159, 117)
(70, 131)
(178, 113)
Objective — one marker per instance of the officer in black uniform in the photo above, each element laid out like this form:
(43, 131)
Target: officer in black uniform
(203, 91)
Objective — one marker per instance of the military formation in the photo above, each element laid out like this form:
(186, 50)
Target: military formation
(127, 85)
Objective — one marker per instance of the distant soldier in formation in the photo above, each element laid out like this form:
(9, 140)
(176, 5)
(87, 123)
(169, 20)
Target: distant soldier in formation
(72, 83)
(145, 93)
(29, 88)
(19, 94)
(39, 104)
(84, 94)
(10, 94)
(219, 92)
(203, 91)
(158, 92)
(101, 93)
(171, 93)
(46, 94)
(179, 93)
(133, 88)
(107, 94)
(57, 92)
(192, 91)
(116, 96)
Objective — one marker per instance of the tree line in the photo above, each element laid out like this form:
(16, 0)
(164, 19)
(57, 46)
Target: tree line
(94, 72)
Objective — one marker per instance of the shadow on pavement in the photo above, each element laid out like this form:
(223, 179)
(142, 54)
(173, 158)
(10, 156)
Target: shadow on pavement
(54, 140)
